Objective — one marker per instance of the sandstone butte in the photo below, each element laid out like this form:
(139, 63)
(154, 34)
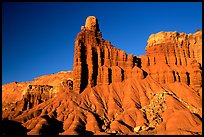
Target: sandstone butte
(110, 92)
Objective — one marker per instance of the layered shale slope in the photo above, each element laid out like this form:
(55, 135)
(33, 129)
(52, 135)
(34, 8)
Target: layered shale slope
(111, 92)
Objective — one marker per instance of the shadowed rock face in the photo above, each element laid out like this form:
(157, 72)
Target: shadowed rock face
(9, 127)
(110, 92)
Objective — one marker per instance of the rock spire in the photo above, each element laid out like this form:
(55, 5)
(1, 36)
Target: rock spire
(97, 61)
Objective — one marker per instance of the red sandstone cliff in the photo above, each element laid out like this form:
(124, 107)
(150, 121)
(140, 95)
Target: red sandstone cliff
(111, 92)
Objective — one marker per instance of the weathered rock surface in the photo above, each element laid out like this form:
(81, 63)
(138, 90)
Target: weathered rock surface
(173, 56)
(111, 92)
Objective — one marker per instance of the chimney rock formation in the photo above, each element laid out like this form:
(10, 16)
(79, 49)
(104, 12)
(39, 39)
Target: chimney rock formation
(96, 61)
(110, 92)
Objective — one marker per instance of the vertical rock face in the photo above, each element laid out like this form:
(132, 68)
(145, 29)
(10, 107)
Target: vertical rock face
(179, 53)
(174, 48)
(96, 61)
(86, 56)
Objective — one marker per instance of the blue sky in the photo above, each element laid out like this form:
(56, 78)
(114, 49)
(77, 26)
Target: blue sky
(38, 38)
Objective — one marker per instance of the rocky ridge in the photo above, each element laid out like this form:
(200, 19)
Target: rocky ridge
(111, 92)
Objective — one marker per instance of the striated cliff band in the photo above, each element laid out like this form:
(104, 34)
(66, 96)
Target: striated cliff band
(110, 92)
